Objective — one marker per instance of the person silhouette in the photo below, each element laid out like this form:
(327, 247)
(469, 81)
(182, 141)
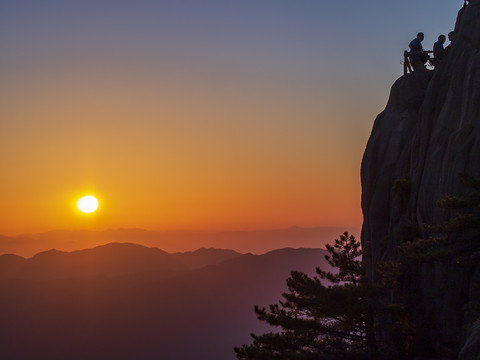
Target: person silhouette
(438, 50)
(451, 38)
(417, 58)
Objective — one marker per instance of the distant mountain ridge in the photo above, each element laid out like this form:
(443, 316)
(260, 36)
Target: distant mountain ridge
(259, 241)
(145, 301)
(112, 259)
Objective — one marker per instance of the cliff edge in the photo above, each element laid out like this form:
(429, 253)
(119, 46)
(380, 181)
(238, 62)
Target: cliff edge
(428, 134)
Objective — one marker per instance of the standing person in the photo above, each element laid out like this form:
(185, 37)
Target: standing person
(417, 59)
(451, 38)
(438, 50)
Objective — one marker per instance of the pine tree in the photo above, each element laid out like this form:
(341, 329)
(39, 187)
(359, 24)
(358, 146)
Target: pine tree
(321, 322)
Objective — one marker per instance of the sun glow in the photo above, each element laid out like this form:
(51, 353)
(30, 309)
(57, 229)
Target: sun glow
(87, 204)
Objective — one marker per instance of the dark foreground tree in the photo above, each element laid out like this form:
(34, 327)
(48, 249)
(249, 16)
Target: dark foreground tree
(321, 322)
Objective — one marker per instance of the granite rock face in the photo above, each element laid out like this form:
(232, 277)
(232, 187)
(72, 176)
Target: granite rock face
(471, 349)
(427, 135)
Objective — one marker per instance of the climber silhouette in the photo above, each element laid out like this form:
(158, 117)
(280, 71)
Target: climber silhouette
(451, 37)
(417, 57)
(438, 50)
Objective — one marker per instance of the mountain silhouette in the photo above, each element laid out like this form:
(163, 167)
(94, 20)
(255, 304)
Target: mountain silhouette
(422, 149)
(203, 257)
(107, 260)
(131, 314)
(259, 241)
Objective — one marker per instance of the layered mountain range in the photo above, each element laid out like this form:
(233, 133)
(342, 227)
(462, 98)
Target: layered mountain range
(255, 241)
(127, 301)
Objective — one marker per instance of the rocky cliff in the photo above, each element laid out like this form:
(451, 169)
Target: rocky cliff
(428, 134)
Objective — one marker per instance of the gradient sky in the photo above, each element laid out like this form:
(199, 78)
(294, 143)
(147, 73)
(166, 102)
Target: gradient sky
(188, 114)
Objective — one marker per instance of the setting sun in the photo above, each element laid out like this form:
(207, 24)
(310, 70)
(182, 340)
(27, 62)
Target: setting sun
(87, 204)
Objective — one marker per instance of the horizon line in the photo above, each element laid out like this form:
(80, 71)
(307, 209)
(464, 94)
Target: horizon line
(204, 231)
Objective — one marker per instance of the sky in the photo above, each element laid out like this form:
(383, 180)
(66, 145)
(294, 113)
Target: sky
(187, 114)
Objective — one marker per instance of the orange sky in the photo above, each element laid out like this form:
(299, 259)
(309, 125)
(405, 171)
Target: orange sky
(171, 158)
(181, 116)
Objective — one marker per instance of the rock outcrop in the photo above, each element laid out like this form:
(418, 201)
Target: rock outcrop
(427, 135)
(471, 349)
